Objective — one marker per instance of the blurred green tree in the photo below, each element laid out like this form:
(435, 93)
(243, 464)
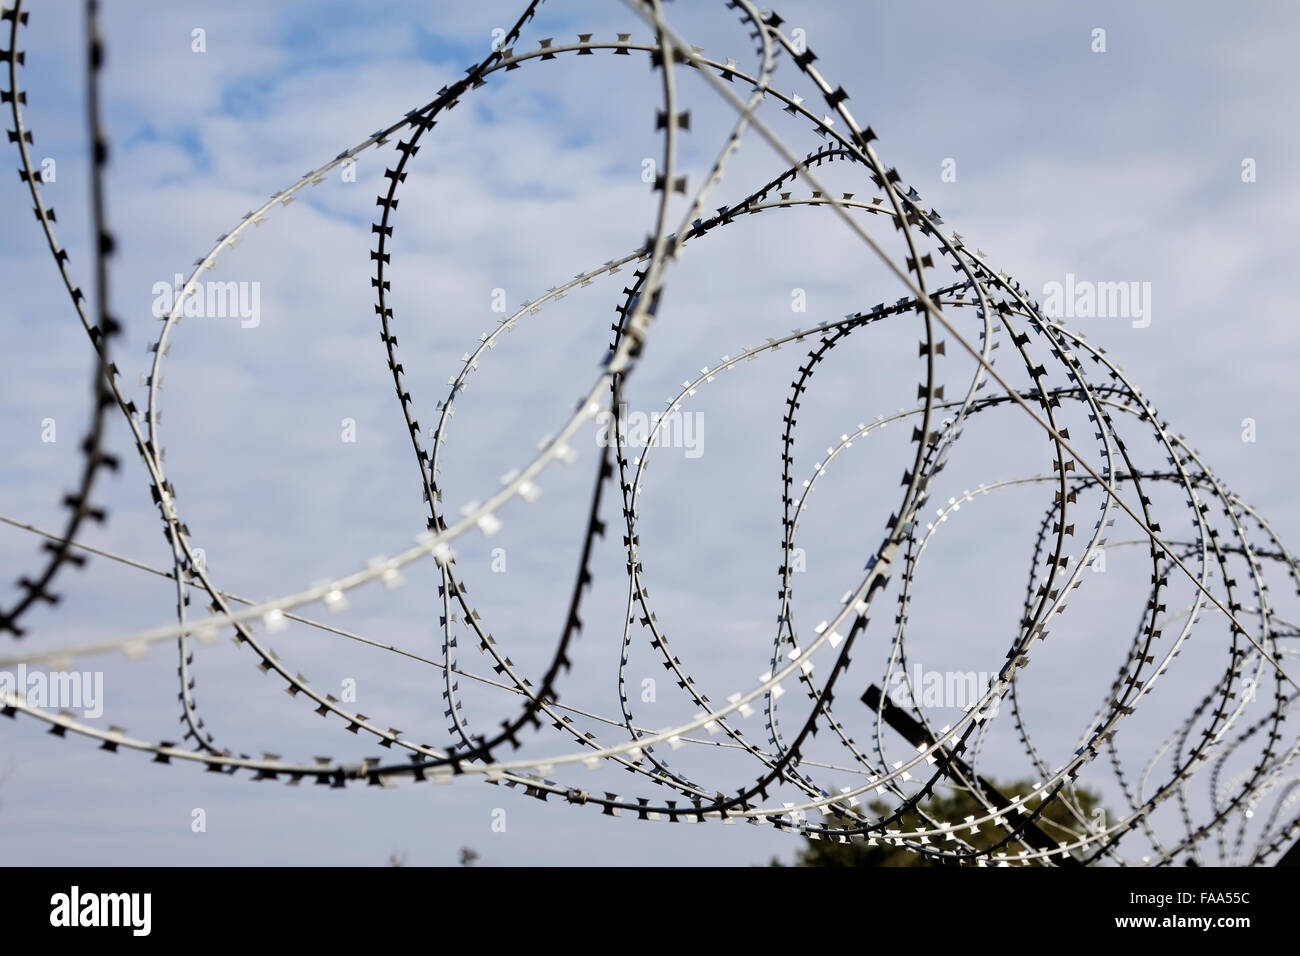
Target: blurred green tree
(1056, 821)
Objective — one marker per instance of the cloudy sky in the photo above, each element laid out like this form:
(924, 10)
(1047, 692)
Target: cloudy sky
(1122, 165)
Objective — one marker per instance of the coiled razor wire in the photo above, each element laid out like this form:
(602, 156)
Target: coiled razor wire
(1224, 559)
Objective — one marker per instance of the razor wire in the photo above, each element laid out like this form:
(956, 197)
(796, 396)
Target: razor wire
(750, 720)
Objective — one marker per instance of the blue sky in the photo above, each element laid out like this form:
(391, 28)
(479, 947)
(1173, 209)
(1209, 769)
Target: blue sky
(1116, 166)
